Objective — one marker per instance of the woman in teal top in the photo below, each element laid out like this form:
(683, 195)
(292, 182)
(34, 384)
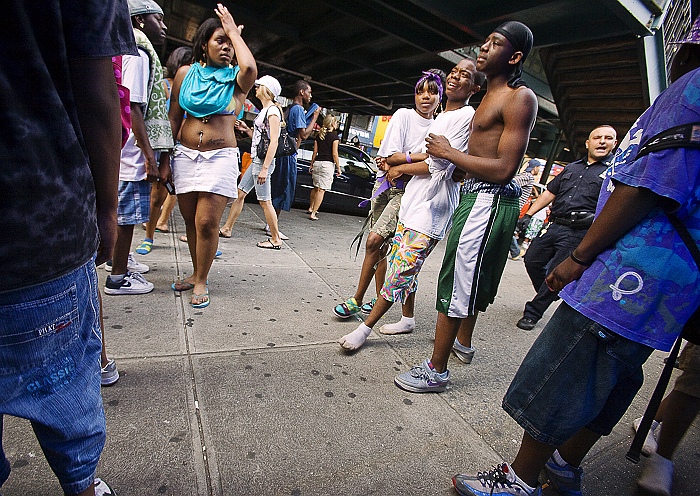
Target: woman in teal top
(205, 161)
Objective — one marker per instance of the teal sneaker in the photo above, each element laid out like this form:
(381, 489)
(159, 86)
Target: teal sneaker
(347, 309)
(367, 307)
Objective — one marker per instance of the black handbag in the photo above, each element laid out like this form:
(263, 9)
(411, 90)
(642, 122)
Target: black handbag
(286, 144)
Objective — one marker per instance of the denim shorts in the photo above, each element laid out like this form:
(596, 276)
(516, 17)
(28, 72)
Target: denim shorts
(50, 345)
(249, 180)
(134, 205)
(577, 374)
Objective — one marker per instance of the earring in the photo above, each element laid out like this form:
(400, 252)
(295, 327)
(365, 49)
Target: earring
(141, 25)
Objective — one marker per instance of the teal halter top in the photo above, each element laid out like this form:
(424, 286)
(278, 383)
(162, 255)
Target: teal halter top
(208, 90)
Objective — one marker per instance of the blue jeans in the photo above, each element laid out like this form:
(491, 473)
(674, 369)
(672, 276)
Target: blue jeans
(577, 374)
(50, 345)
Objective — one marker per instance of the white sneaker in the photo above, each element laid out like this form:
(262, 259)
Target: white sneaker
(283, 236)
(110, 374)
(650, 443)
(132, 284)
(656, 476)
(132, 265)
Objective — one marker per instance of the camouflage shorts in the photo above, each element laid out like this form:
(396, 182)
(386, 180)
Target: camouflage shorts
(385, 212)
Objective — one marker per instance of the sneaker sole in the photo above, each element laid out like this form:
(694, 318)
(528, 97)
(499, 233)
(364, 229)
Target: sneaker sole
(109, 381)
(413, 389)
(340, 315)
(119, 292)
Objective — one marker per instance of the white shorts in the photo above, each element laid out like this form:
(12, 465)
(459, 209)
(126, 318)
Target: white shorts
(322, 174)
(213, 171)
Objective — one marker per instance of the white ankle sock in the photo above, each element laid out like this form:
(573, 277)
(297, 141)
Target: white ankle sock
(116, 278)
(405, 325)
(356, 338)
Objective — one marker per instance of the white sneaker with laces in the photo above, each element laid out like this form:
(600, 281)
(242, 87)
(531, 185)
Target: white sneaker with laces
(132, 265)
(132, 284)
(110, 374)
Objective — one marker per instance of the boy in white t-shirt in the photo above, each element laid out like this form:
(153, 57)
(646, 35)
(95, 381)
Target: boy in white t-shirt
(428, 203)
(405, 134)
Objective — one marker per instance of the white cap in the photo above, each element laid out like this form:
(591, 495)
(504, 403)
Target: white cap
(271, 84)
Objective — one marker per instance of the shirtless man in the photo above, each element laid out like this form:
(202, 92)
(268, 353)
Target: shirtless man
(483, 224)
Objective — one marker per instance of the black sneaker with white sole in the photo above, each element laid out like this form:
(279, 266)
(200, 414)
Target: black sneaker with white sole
(132, 284)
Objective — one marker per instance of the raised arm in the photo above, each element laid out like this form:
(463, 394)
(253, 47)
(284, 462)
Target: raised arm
(246, 62)
(518, 119)
(99, 115)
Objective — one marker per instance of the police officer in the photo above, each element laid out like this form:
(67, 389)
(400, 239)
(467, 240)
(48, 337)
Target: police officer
(573, 195)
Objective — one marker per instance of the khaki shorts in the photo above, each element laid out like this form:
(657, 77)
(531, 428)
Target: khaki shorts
(385, 211)
(689, 381)
(322, 174)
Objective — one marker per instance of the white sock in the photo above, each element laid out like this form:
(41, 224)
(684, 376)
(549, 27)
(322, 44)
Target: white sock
(356, 338)
(116, 278)
(558, 459)
(405, 325)
(460, 347)
(529, 489)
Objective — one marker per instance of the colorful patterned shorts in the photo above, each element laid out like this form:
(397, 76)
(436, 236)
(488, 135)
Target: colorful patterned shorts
(409, 250)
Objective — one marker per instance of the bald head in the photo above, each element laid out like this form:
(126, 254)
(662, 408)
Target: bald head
(600, 143)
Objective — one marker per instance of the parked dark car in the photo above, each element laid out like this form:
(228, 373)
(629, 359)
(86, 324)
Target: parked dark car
(355, 184)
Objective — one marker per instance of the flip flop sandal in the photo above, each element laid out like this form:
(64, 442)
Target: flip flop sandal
(268, 245)
(145, 247)
(164, 231)
(204, 303)
(181, 286)
(222, 235)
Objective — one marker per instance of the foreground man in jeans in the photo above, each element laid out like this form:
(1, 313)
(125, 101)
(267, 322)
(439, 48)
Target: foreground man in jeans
(633, 285)
(59, 150)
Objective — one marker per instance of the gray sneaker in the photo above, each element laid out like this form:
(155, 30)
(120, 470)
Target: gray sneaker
(132, 284)
(423, 378)
(132, 265)
(110, 374)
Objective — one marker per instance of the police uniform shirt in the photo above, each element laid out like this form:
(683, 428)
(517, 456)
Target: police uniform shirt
(577, 187)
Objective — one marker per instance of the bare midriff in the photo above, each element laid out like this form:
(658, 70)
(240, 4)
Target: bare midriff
(208, 133)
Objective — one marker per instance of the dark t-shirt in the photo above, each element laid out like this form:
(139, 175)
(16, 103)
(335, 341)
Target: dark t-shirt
(47, 214)
(325, 147)
(577, 187)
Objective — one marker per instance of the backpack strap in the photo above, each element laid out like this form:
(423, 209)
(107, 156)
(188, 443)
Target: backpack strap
(685, 136)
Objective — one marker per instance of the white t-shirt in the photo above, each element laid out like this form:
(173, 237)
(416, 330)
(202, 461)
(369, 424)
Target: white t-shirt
(135, 72)
(406, 132)
(430, 200)
(259, 127)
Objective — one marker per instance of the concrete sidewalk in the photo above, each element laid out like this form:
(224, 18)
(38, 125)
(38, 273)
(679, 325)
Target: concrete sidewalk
(253, 395)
